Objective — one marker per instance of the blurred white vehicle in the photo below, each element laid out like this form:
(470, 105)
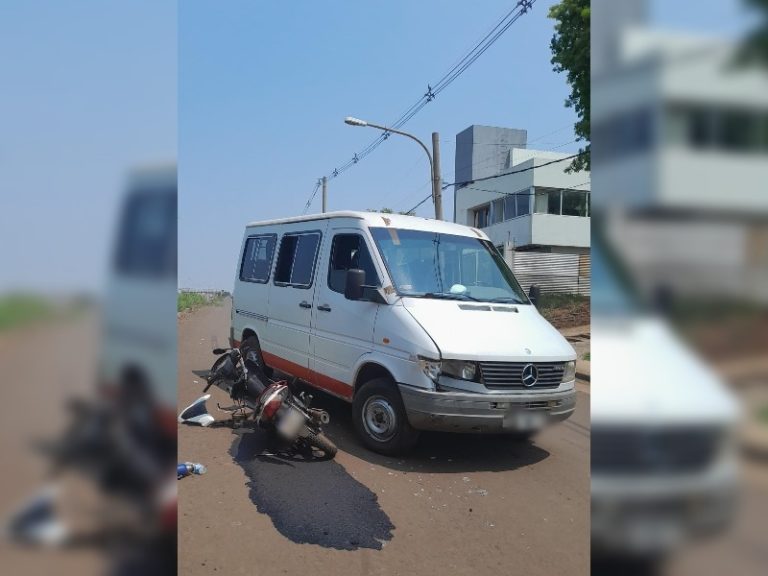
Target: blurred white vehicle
(139, 336)
(664, 460)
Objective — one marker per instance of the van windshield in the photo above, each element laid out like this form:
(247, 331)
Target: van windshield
(446, 266)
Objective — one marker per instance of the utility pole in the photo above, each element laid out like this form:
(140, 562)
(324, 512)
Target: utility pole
(325, 194)
(437, 183)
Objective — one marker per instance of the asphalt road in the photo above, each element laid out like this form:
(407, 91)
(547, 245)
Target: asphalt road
(459, 504)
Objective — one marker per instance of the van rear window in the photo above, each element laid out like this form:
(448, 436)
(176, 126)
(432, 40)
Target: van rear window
(296, 259)
(257, 258)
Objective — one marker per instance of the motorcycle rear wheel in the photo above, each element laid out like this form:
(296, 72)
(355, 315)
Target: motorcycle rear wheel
(323, 443)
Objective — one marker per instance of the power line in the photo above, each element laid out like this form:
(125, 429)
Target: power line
(521, 7)
(312, 197)
(534, 166)
(466, 182)
(550, 133)
(575, 188)
(419, 204)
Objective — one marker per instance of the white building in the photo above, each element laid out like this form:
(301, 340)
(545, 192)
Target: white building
(528, 206)
(680, 146)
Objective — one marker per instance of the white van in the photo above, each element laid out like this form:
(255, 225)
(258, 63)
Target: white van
(419, 323)
(139, 323)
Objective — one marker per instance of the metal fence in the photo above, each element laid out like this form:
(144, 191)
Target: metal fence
(562, 273)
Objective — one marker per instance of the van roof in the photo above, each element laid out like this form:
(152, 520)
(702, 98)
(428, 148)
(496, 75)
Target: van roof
(381, 219)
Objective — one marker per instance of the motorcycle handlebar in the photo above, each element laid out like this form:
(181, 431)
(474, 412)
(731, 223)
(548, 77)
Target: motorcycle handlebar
(220, 351)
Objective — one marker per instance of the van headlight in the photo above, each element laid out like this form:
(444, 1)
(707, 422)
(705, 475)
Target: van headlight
(431, 368)
(460, 369)
(570, 371)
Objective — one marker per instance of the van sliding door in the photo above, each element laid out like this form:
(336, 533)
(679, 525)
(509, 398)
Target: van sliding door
(291, 298)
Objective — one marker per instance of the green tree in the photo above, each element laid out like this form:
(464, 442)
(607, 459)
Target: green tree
(755, 46)
(570, 54)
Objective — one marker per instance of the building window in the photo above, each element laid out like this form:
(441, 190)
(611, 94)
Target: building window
(709, 128)
(701, 129)
(622, 135)
(574, 203)
(553, 202)
(509, 207)
(497, 211)
(764, 130)
(480, 216)
(523, 203)
(561, 202)
(739, 131)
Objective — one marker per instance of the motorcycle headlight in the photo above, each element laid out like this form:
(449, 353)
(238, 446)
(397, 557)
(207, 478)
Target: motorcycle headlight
(460, 369)
(430, 367)
(570, 371)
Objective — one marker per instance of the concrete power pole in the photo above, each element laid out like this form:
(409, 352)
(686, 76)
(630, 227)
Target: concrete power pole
(437, 183)
(325, 194)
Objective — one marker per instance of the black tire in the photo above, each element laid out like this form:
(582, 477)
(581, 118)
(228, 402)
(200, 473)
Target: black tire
(395, 435)
(323, 443)
(252, 343)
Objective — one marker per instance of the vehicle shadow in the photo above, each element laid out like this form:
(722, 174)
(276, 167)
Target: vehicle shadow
(435, 452)
(310, 501)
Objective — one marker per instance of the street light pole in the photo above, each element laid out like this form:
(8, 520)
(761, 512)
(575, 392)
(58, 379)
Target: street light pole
(434, 167)
(437, 183)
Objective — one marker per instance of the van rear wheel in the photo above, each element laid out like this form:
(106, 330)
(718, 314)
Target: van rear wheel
(380, 418)
(252, 343)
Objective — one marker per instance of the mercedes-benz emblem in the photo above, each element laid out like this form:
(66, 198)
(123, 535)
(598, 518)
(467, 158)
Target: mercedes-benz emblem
(530, 375)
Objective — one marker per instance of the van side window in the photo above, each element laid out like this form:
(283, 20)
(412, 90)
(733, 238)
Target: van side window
(257, 258)
(296, 259)
(350, 251)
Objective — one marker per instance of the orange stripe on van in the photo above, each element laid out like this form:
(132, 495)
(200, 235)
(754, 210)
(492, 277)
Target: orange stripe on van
(314, 378)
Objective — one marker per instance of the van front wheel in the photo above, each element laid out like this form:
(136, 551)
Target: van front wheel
(380, 418)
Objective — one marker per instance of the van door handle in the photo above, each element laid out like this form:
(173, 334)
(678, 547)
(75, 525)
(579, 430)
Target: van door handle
(324, 308)
(305, 304)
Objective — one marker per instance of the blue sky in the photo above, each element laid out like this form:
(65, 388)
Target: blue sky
(88, 92)
(264, 88)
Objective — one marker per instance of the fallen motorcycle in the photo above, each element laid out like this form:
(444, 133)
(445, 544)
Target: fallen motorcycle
(270, 404)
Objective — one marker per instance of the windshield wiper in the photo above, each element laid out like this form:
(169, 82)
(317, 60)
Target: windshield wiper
(506, 300)
(449, 296)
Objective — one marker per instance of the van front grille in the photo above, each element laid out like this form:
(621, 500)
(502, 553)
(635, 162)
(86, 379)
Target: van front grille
(509, 375)
(640, 450)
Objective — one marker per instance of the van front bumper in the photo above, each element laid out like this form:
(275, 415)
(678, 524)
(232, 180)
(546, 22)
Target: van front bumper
(652, 514)
(475, 412)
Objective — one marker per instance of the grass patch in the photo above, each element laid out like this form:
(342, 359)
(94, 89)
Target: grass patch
(557, 300)
(564, 310)
(20, 309)
(587, 356)
(762, 414)
(191, 300)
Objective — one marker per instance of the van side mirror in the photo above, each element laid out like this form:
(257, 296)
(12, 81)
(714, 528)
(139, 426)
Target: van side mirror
(534, 292)
(353, 289)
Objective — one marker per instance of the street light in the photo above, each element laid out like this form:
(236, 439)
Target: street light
(352, 121)
(434, 164)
